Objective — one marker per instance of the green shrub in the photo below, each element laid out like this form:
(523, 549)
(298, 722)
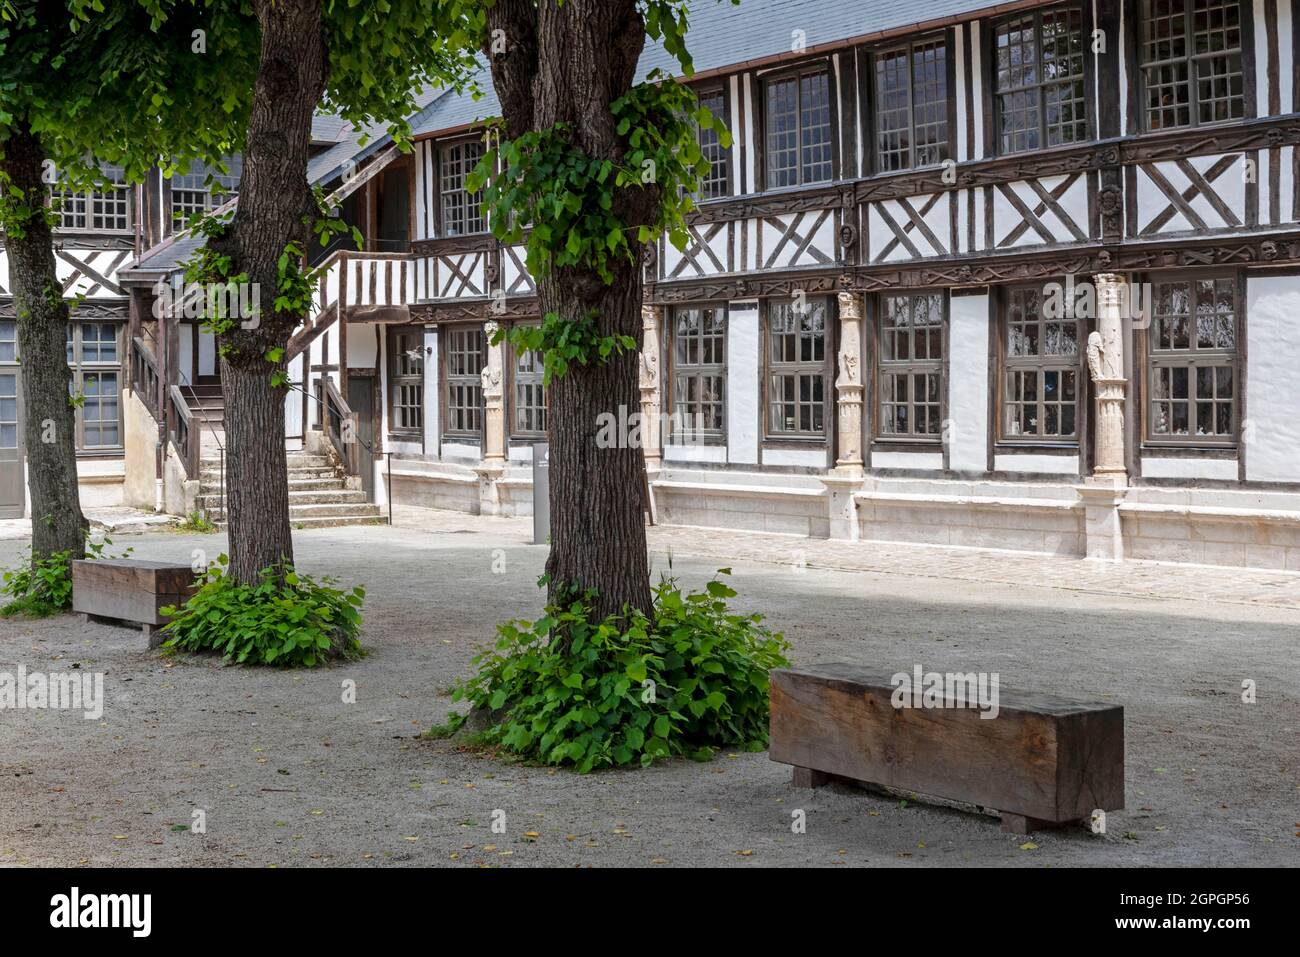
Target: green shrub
(286, 619)
(40, 588)
(562, 690)
(196, 522)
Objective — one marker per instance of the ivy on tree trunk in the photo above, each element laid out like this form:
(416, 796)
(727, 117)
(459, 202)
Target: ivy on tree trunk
(43, 315)
(560, 68)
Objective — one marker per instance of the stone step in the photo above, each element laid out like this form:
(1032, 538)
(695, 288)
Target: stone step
(211, 474)
(338, 496)
(331, 521)
(296, 460)
(361, 509)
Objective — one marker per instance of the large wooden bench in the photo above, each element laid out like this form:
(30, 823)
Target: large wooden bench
(130, 590)
(1043, 761)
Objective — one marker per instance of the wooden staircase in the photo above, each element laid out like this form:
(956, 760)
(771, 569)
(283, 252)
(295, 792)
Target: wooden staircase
(318, 492)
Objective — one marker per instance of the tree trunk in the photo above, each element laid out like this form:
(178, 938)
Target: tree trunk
(275, 208)
(597, 520)
(258, 497)
(43, 316)
(566, 63)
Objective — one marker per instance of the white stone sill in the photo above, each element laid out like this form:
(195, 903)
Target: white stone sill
(1207, 512)
(751, 491)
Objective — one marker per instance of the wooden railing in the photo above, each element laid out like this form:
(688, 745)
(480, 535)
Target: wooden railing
(340, 426)
(145, 376)
(186, 433)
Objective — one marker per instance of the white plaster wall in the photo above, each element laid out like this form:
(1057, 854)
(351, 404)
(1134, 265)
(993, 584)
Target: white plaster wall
(1261, 59)
(742, 382)
(207, 353)
(186, 350)
(363, 351)
(907, 460)
(803, 458)
(1271, 431)
(695, 453)
(968, 383)
(1046, 464)
(1155, 467)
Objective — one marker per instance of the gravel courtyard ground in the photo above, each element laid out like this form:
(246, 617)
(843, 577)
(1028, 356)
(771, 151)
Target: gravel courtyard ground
(288, 774)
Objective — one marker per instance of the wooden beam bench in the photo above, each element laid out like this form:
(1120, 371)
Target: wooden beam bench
(1043, 761)
(130, 590)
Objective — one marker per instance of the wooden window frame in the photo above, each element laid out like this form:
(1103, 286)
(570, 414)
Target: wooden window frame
(720, 89)
(445, 334)
(123, 192)
(773, 368)
(1136, 14)
(397, 379)
(1149, 359)
(993, 99)
(525, 436)
(1040, 364)
(699, 370)
(439, 172)
(80, 367)
(822, 66)
(872, 104)
(883, 368)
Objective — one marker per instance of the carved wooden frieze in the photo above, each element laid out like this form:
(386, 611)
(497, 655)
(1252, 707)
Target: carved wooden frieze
(744, 287)
(477, 243)
(478, 310)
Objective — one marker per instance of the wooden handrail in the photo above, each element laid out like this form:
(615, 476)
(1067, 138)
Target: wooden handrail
(186, 436)
(145, 376)
(344, 438)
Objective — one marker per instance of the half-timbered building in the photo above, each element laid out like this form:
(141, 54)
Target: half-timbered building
(1022, 276)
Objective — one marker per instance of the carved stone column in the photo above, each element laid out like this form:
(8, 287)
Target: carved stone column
(1106, 364)
(651, 439)
(845, 480)
(494, 426)
(1105, 489)
(848, 386)
(493, 467)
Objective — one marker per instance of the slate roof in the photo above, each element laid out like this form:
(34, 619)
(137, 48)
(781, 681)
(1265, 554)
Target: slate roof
(720, 34)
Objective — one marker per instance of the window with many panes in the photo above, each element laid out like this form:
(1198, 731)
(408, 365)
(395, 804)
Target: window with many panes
(104, 210)
(912, 105)
(717, 181)
(8, 384)
(798, 129)
(1192, 361)
(910, 361)
(462, 213)
(529, 395)
(95, 358)
(1041, 369)
(406, 380)
(8, 340)
(201, 190)
(8, 409)
(1191, 62)
(699, 372)
(466, 355)
(796, 369)
(1039, 80)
